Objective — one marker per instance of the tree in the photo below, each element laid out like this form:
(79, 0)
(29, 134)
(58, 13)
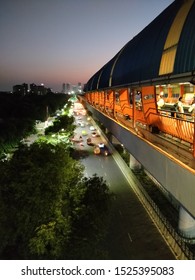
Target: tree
(91, 200)
(62, 122)
(80, 235)
(48, 210)
(18, 114)
(34, 191)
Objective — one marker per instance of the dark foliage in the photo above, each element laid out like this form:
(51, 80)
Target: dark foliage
(48, 210)
(19, 113)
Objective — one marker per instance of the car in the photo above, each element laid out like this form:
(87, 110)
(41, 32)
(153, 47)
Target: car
(84, 132)
(101, 148)
(92, 128)
(101, 145)
(104, 149)
(77, 139)
(95, 134)
(97, 150)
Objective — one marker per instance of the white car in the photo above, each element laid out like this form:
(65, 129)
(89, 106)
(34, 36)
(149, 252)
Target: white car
(101, 145)
(92, 128)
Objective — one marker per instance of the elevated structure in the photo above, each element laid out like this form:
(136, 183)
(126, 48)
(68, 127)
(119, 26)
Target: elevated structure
(160, 54)
(123, 95)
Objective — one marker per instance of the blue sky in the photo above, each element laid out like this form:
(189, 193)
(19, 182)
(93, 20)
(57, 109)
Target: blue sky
(66, 41)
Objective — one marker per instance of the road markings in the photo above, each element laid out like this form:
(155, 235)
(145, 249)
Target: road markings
(130, 237)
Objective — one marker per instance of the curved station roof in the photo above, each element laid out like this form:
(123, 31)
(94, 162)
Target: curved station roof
(163, 52)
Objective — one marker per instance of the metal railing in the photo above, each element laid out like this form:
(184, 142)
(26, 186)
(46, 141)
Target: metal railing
(177, 127)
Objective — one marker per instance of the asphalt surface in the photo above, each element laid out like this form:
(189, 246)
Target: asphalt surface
(131, 233)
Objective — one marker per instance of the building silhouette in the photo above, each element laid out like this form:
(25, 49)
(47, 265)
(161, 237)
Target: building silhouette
(68, 88)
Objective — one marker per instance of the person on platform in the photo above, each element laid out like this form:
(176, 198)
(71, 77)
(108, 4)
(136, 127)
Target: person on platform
(180, 109)
(191, 110)
(160, 101)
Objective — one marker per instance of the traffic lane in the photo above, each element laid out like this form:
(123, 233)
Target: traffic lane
(84, 124)
(94, 165)
(132, 234)
(131, 228)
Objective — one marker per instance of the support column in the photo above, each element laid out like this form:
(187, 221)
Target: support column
(106, 130)
(186, 223)
(134, 164)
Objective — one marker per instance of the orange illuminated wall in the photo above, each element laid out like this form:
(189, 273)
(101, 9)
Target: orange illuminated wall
(109, 99)
(126, 107)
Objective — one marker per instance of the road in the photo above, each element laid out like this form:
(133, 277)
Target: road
(131, 232)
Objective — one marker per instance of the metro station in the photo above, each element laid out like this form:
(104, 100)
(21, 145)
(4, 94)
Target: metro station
(158, 63)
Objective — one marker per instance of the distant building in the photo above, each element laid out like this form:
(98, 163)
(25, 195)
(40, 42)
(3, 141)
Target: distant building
(33, 89)
(41, 90)
(80, 88)
(70, 89)
(38, 90)
(63, 87)
(20, 89)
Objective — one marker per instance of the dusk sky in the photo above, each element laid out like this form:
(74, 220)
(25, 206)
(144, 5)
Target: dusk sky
(66, 41)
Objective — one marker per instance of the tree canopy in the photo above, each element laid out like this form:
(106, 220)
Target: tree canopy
(63, 122)
(48, 209)
(19, 113)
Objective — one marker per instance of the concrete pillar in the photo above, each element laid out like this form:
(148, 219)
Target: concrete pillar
(186, 223)
(134, 164)
(115, 140)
